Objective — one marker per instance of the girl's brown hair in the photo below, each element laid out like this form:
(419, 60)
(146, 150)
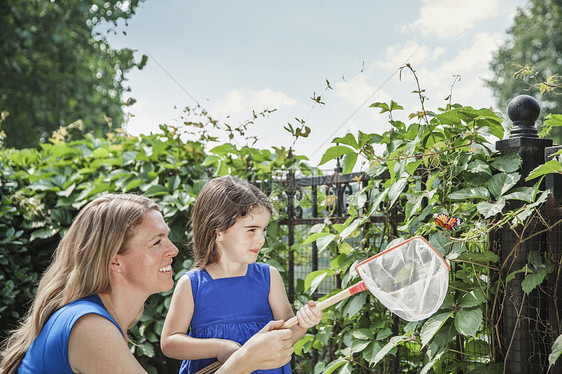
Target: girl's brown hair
(80, 266)
(221, 202)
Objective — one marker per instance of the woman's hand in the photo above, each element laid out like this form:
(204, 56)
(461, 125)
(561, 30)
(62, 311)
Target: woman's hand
(227, 348)
(309, 315)
(269, 348)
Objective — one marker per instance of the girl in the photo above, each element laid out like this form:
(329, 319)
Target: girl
(228, 297)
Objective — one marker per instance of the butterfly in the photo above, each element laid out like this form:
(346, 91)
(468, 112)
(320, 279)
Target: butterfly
(450, 223)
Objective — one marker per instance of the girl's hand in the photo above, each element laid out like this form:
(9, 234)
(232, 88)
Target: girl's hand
(309, 315)
(227, 348)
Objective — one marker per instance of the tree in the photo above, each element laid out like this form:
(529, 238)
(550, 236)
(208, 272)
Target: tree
(535, 40)
(57, 69)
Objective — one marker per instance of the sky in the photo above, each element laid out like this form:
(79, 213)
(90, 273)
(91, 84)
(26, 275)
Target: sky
(233, 58)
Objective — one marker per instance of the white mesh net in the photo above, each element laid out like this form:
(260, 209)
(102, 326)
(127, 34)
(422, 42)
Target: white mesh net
(410, 279)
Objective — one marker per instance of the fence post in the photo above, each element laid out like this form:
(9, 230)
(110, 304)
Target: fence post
(523, 344)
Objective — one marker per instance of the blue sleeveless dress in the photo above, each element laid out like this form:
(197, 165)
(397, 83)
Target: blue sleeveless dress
(48, 354)
(230, 308)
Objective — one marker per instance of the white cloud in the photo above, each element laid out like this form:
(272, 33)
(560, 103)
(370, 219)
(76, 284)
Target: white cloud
(356, 91)
(472, 64)
(476, 57)
(141, 119)
(446, 18)
(242, 102)
(398, 54)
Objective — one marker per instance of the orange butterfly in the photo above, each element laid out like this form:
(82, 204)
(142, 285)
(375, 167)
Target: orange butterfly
(450, 223)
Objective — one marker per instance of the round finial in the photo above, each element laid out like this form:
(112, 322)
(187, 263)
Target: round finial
(523, 110)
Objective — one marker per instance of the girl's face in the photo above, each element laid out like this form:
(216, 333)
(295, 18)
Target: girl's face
(242, 242)
(146, 264)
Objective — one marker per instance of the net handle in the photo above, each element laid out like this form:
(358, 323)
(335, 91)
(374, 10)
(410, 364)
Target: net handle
(342, 295)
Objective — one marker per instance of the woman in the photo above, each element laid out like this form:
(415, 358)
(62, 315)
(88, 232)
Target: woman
(115, 254)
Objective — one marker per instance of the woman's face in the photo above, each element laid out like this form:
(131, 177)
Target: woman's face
(146, 264)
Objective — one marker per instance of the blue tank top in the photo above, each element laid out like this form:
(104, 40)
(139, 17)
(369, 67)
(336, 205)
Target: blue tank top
(230, 308)
(48, 354)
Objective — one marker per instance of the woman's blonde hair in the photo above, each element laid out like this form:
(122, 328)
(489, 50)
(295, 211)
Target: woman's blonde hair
(80, 266)
(220, 203)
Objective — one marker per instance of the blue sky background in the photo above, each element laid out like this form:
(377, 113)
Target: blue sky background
(233, 57)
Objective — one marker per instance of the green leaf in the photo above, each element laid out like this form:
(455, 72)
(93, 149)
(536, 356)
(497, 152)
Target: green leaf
(133, 184)
(512, 275)
(314, 279)
(490, 209)
(324, 241)
(493, 123)
(345, 248)
(156, 190)
(553, 120)
(508, 163)
(101, 153)
(129, 156)
(552, 166)
(430, 364)
(363, 334)
(335, 152)
(470, 193)
(556, 351)
(395, 106)
(332, 366)
(457, 249)
(496, 368)
(502, 182)
(355, 304)
(173, 183)
(349, 161)
(351, 228)
(526, 194)
(348, 139)
(471, 299)
(468, 321)
(299, 345)
(394, 341)
(432, 325)
(396, 190)
(532, 280)
(44, 233)
(359, 345)
(480, 257)
(478, 167)
(371, 351)
(224, 149)
(314, 237)
(440, 242)
(383, 106)
(413, 166)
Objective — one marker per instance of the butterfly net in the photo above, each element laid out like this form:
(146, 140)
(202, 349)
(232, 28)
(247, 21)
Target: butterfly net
(410, 279)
